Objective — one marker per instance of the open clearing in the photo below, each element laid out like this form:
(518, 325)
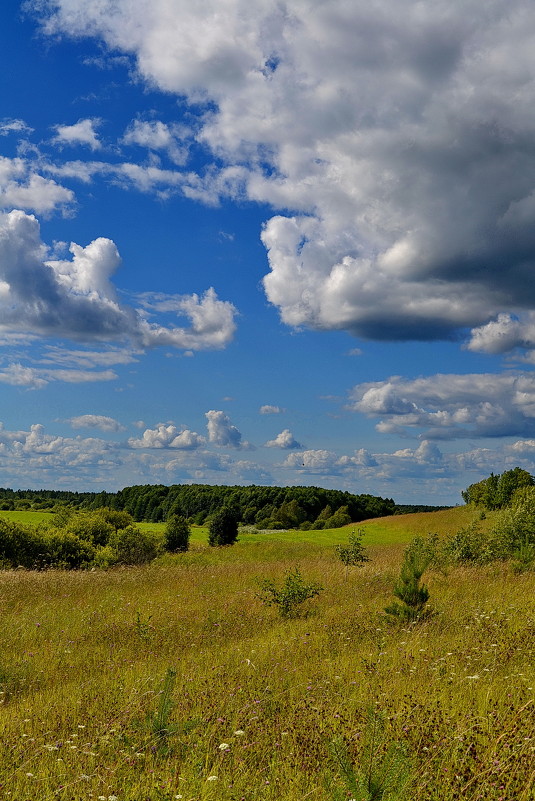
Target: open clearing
(256, 699)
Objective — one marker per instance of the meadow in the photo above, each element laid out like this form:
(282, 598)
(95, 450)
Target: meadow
(174, 681)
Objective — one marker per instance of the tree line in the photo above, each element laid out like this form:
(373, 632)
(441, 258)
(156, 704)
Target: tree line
(497, 491)
(268, 507)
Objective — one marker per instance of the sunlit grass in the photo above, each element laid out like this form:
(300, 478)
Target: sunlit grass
(85, 656)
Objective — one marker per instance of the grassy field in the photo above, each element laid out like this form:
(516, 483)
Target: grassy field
(173, 681)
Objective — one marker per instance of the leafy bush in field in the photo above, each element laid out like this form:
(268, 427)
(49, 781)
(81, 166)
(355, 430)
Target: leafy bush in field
(289, 597)
(469, 544)
(134, 547)
(20, 546)
(353, 553)
(91, 527)
(223, 528)
(63, 549)
(79, 541)
(177, 532)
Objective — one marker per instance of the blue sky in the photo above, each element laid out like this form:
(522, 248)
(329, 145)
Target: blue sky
(263, 242)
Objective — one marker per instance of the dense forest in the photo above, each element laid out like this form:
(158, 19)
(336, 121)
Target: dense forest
(276, 507)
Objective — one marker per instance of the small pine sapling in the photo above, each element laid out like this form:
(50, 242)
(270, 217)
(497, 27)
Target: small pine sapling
(409, 591)
(383, 772)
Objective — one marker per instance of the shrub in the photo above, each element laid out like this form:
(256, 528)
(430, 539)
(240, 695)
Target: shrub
(353, 553)
(177, 533)
(134, 547)
(64, 549)
(105, 557)
(223, 528)
(289, 597)
(91, 527)
(20, 546)
(384, 770)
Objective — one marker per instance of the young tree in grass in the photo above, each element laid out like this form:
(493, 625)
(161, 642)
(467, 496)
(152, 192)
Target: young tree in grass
(177, 531)
(223, 528)
(408, 590)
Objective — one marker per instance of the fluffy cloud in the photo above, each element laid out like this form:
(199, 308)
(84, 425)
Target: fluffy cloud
(81, 133)
(398, 134)
(158, 136)
(221, 432)
(75, 298)
(167, 436)
(268, 409)
(285, 440)
(96, 421)
(450, 406)
(22, 187)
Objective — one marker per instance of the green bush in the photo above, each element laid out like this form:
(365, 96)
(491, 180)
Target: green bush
(177, 533)
(289, 597)
(21, 546)
(353, 553)
(223, 528)
(64, 549)
(134, 547)
(105, 557)
(91, 527)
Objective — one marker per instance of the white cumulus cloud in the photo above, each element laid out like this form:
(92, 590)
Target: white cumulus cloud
(448, 406)
(167, 436)
(394, 137)
(222, 432)
(82, 132)
(285, 440)
(269, 409)
(96, 421)
(76, 299)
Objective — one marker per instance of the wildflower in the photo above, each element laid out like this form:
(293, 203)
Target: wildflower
(475, 676)
(239, 733)
(211, 779)
(224, 747)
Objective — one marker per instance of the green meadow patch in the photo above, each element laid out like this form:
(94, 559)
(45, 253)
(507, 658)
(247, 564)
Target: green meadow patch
(175, 680)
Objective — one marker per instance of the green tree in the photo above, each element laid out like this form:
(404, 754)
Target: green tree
(177, 533)
(408, 590)
(223, 528)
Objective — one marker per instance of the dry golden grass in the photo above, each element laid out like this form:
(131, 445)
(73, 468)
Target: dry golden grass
(85, 656)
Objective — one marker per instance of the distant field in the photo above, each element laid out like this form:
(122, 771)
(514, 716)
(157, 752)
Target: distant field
(392, 530)
(28, 516)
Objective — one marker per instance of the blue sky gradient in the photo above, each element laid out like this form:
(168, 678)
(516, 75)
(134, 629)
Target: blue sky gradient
(276, 243)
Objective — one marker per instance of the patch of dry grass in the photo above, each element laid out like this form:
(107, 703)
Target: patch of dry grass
(256, 698)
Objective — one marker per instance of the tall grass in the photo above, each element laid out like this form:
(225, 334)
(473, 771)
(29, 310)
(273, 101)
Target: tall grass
(92, 707)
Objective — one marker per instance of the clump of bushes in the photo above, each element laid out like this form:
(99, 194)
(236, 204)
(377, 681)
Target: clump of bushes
(101, 538)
